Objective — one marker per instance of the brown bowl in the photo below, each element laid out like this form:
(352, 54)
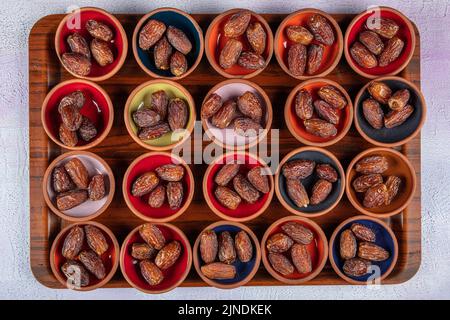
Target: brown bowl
(395, 136)
(89, 209)
(245, 271)
(119, 45)
(295, 124)
(142, 96)
(332, 54)
(318, 249)
(96, 100)
(110, 258)
(385, 238)
(214, 42)
(232, 89)
(180, 20)
(319, 156)
(400, 166)
(245, 211)
(407, 33)
(173, 276)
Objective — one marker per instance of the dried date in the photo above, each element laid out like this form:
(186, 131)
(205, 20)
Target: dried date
(77, 172)
(372, 252)
(230, 53)
(301, 258)
(379, 91)
(373, 113)
(151, 272)
(99, 30)
(237, 24)
(152, 235)
(177, 114)
(227, 252)
(218, 271)
(61, 181)
(332, 96)
(298, 233)
(157, 197)
(87, 130)
(251, 60)
(223, 117)
(168, 255)
(258, 177)
(320, 191)
(244, 247)
(151, 33)
(376, 196)
(304, 105)
(154, 132)
(93, 263)
(174, 193)
(297, 192)
(372, 164)
(299, 34)
(364, 182)
(70, 199)
(96, 189)
(298, 169)
(101, 52)
(362, 232)
(315, 57)
(142, 251)
(279, 243)
(256, 36)
(95, 239)
(146, 117)
(209, 246)
(347, 245)
(322, 29)
(399, 99)
(211, 105)
(396, 118)
(327, 172)
(170, 172)
(161, 54)
(77, 63)
(363, 57)
(392, 51)
(326, 112)
(78, 44)
(297, 59)
(280, 263)
(73, 243)
(393, 185)
(179, 40)
(320, 128)
(144, 184)
(178, 64)
(227, 197)
(245, 189)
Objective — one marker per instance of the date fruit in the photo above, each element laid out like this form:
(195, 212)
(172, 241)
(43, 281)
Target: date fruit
(177, 114)
(170, 172)
(151, 33)
(219, 271)
(142, 251)
(70, 199)
(297, 232)
(258, 177)
(320, 128)
(321, 28)
(315, 56)
(61, 180)
(237, 24)
(174, 193)
(347, 244)
(397, 117)
(77, 63)
(168, 255)
(362, 232)
(399, 99)
(227, 173)
(144, 184)
(301, 258)
(371, 41)
(146, 117)
(223, 117)
(373, 113)
(380, 92)
(297, 192)
(73, 243)
(99, 30)
(372, 252)
(77, 172)
(230, 53)
(363, 56)
(245, 189)
(71, 117)
(151, 234)
(227, 252)
(356, 267)
(327, 172)
(372, 164)
(279, 243)
(157, 197)
(227, 197)
(179, 40)
(101, 52)
(209, 246)
(364, 182)
(95, 239)
(280, 263)
(297, 58)
(299, 34)
(78, 44)
(159, 103)
(376, 196)
(392, 51)
(75, 98)
(386, 28)
(320, 191)
(246, 127)
(161, 54)
(326, 112)
(256, 36)
(244, 247)
(332, 96)
(178, 64)
(393, 185)
(154, 132)
(304, 105)
(151, 272)
(87, 130)
(211, 105)
(298, 169)
(93, 263)
(96, 189)
(75, 273)
(251, 60)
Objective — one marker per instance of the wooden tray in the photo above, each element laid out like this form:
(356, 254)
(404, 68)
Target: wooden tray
(119, 150)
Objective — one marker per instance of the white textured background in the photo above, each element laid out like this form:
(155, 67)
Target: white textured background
(432, 281)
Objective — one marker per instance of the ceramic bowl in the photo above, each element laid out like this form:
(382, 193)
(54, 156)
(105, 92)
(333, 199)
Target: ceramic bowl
(76, 22)
(170, 17)
(89, 209)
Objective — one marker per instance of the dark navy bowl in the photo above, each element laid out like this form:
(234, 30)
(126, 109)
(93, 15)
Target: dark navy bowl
(384, 238)
(320, 156)
(180, 20)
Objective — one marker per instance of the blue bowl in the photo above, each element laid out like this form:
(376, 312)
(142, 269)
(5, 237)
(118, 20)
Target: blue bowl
(384, 238)
(320, 156)
(180, 20)
(244, 270)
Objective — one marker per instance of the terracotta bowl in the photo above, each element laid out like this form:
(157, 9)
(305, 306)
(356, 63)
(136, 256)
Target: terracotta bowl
(89, 209)
(395, 136)
(141, 96)
(227, 138)
(98, 108)
(215, 40)
(245, 211)
(244, 271)
(295, 124)
(400, 166)
(75, 22)
(332, 54)
(110, 258)
(319, 156)
(318, 250)
(384, 238)
(139, 205)
(173, 276)
(170, 17)
(406, 33)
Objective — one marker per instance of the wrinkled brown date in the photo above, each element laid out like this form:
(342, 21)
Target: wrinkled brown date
(78, 44)
(154, 132)
(258, 177)
(250, 106)
(372, 252)
(304, 104)
(392, 51)
(177, 114)
(237, 24)
(320, 191)
(77, 63)
(280, 263)
(301, 258)
(179, 40)
(99, 30)
(244, 247)
(151, 234)
(211, 105)
(320, 128)
(299, 34)
(75, 98)
(174, 193)
(61, 180)
(373, 113)
(364, 182)
(380, 91)
(326, 112)
(322, 29)
(279, 242)
(93, 263)
(151, 272)
(70, 199)
(246, 127)
(230, 53)
(227, 252)
(393, 185)
(362, 232)
(298, 232)
(168, 255)
(142, 251)
(151, 33)
(223, 117)
(256, 36)
(298, 169)
(372, 164)
(178, 64)
(356, 267)
(399, 99)
(332, 96)
(87, 130)
(327, 172)
(226, 173)
(157, 197)
(146, 117)
(251, 60)
(170, 172)
(209, 246)
(73, 243)
(397, 117)
(227, 197)
(347, 245)
(371, 41)
(95, 239)
(363, 56)
(376, 196)
(96, 187)
(297, 59)
(144, 184)
(161, 54)
(315, 56)
(159, 103)
(71, 117)
(219, 271)
(386, 28)
(77, 172)
(245, 189)
(101, 52)
(297, 192)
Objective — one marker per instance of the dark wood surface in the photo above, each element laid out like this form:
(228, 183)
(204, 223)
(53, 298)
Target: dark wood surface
(119, 150)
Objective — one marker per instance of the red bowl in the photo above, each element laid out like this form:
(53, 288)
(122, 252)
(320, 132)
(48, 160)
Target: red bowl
(215, 41)
(406, 33)
(295, 124)
(75, 22)
(332, 54)
(318, 250)
(139, 205)
(245, 211)
(96, 100)
(110, 258)
(173, 276)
